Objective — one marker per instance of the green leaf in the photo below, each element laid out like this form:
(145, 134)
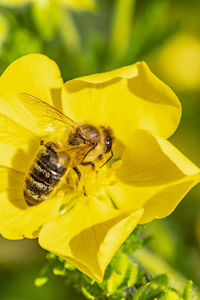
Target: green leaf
(87, 294)
(134, 241)
(3, 30)
(121, 28)
(153, 289)
(170, 295)
(59, 271)
(69, 266)
(187, 290)
(154, 18)
(160, 281)
(140, 292)
(41, 281)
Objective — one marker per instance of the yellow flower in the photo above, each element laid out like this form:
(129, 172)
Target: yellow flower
(146, 179)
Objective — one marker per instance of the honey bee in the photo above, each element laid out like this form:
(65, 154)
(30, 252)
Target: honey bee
(84, 144)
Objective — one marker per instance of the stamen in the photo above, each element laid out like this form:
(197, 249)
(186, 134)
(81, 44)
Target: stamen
(91, 182)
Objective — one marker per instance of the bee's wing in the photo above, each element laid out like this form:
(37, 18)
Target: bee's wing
(77, 153)
(49, 118)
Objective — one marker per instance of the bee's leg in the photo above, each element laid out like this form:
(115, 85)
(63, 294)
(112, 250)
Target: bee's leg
(44, 141)
(107, 160)
(78, 179)
(78, 175)
(86, 163)
(84, 191)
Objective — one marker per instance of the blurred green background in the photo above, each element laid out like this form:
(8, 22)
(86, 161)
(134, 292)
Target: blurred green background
(88, 36)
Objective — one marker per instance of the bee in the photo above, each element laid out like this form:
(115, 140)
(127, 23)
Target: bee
(83, 144)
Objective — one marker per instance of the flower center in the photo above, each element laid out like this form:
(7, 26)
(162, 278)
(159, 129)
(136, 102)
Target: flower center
(89, 180)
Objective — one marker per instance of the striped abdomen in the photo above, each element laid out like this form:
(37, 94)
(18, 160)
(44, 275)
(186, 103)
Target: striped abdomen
(44, 174)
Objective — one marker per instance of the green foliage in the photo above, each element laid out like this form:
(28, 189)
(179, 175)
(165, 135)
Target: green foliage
(187, 291)
(84, 43)
(134, 241)
(48, 28)
(46, 12)
(156, 288)
(18, 39)
(120, 274)
(152, 29)
(123, 280)
(3, 30)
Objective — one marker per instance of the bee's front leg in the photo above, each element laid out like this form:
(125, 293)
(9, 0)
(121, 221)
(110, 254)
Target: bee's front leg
(78, 175)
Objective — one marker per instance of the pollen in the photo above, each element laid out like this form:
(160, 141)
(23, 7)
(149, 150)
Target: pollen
(92, 180)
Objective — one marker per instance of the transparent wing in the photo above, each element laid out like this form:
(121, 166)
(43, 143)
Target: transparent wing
(49, 118)
(77, 153)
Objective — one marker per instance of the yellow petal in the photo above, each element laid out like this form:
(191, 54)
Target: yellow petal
(151, 160)
(35, 74)
(17, 220)
(124, 99)
(79, 4)
(154, 175)
(165, 201)
(88, 235)
(18, 145)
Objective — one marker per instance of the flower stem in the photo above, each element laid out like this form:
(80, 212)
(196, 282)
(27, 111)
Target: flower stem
(121, 27)
(155, 265)
(70, 33)
(72, 41)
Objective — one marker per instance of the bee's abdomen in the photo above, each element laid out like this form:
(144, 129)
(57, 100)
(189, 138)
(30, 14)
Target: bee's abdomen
(44, 175)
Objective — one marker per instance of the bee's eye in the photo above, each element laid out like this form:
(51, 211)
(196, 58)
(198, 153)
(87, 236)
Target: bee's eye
(108, 143)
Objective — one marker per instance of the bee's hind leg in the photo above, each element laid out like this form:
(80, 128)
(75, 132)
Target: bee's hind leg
(78, 175)
(79, 178)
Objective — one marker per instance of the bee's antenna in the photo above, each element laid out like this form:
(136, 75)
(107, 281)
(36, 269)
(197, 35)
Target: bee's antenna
(107, 160)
